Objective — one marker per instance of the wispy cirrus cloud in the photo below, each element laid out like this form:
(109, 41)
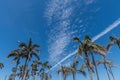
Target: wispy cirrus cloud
(58, 14)
(58, 10)
(87, 2)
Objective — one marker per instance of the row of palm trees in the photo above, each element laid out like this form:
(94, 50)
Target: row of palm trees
(29, 64)
(86, 51)
(73, 69)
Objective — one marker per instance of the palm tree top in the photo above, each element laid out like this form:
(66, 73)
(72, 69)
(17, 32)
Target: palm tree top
(76, 39)
(1, 65)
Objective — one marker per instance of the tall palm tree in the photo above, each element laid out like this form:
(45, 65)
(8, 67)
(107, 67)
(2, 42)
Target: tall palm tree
(29, 50)
(65, 71)
(26, 51)
(88, 47)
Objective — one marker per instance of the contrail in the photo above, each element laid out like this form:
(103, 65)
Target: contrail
(73, 53)
(108, 29)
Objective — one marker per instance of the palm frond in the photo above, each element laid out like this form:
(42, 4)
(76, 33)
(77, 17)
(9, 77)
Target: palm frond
(13, 53)
(35, 46)
(36, 55)
(76, 39)
(23, 46)
(87, 39)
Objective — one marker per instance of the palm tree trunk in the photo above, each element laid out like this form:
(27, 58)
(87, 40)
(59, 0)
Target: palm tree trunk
(73, 76)
(112, 73)
(26, 67)
(88, 66)
(65, 77)
(107, 71)
(5, 77)
(90, 73)
(93, 59)
(23, 78)
(16, 69)
(33, 78)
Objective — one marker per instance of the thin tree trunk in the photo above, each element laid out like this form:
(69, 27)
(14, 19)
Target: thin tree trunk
(90, 73)
(65, 77)
(88, 66)
(16, 69)
(93, 59)
(73, 76)
(107, 71)
(112, 73)
(5, 77)
(26, 67)
(33, 78)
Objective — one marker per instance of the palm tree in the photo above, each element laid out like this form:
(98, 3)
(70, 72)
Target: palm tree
(26, 51)
(29, 51)
(45, 75)
(65, 71)
(115, 40)
(12, 77)
(35, 66)
(74, 70)
(46, 65)
(88, 47)
(82, 69)
(20, 73)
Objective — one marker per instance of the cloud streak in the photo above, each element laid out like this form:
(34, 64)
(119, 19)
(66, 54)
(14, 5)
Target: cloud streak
(108, 29)
(58, 14)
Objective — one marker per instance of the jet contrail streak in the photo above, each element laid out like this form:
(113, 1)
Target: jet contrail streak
(64, 59)
(108, 29)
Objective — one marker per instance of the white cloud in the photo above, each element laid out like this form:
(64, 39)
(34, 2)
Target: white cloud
(60, 11)
(87, 2)
(57, 47)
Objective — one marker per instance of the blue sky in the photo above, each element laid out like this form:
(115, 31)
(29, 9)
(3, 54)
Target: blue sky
(53, 24)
